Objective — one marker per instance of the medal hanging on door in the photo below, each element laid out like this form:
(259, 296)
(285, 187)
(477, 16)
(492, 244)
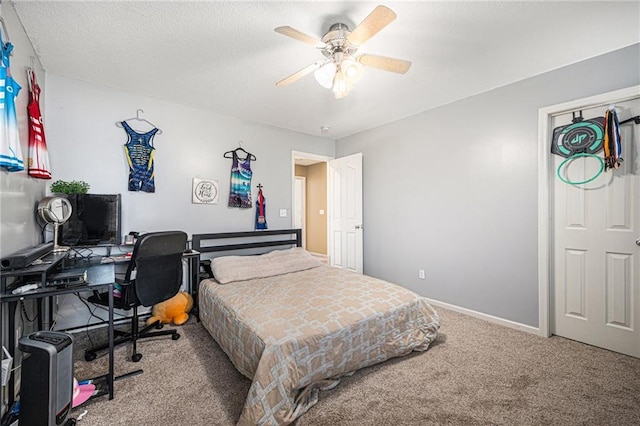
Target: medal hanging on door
(612, 140)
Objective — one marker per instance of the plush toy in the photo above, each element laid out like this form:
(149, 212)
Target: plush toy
(174, 310)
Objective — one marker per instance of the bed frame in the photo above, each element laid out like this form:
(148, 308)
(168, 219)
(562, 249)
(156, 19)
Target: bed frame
(293, 237)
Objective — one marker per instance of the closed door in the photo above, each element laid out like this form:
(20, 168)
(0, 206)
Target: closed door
(596, 268)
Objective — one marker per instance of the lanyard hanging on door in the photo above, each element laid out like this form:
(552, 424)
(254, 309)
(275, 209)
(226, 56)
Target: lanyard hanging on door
(612, 142)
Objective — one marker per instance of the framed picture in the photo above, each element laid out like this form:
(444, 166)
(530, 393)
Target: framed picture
(205, 191)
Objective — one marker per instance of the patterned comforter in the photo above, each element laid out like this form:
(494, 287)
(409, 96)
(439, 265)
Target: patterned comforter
(297, 333)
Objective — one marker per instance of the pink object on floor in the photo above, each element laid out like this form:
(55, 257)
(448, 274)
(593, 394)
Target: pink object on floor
(81, 393)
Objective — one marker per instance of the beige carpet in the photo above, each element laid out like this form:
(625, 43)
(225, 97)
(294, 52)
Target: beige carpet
(477, 373)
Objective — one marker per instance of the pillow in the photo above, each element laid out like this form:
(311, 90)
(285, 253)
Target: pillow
(228, 269)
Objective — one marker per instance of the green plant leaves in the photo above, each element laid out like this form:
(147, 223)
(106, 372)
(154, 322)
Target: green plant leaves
(73, 187)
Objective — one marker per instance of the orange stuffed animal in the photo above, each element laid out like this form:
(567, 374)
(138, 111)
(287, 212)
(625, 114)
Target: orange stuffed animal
(174, 310)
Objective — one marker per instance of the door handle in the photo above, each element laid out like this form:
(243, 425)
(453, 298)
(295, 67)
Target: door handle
(638, 242)
(362, 227)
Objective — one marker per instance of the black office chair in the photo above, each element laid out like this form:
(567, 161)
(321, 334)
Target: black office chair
(154, 275)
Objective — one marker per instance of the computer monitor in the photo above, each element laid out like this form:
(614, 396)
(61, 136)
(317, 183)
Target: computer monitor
(95, 220)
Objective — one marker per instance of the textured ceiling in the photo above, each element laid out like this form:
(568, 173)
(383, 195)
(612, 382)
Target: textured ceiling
(226, 57)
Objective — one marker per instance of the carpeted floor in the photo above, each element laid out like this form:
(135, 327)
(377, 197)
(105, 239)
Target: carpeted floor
(476, 373)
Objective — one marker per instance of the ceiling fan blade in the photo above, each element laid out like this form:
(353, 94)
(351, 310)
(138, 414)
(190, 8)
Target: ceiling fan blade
(377, 20)
(298, 35)
(385, 63)
(299, 74)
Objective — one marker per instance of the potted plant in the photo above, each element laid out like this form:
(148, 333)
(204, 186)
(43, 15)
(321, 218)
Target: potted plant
(72, 187)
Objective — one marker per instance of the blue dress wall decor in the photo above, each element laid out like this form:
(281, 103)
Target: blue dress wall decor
(240, 191)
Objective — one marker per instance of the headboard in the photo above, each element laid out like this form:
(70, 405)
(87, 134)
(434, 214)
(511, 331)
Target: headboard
(207, 243)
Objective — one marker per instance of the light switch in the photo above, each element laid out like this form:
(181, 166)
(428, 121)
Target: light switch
(283, 212)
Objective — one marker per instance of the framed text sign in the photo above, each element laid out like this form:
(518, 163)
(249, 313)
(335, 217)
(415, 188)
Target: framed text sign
(204, 191)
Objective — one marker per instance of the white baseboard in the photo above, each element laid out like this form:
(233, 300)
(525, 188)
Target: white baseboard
(486, 317)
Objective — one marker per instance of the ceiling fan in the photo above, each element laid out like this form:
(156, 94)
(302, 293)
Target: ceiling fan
(342, 69)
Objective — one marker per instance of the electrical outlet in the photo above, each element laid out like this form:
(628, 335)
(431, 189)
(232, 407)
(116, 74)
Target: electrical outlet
(421, 274)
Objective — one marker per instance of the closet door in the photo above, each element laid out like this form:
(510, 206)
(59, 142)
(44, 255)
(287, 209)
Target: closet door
(596, 276)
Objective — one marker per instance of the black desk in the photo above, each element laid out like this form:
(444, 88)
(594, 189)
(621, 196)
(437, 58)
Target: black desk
(100, 277)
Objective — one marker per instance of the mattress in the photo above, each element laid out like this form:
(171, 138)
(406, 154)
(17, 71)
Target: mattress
(295, 334)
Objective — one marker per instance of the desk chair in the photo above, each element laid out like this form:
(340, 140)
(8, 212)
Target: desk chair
(154, 275)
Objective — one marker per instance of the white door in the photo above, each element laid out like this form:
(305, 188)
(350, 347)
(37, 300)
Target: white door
(345, 212)
(596, 268)
(299, 208)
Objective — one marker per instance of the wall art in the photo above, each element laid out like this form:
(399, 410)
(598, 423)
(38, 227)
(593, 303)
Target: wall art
(204, 191)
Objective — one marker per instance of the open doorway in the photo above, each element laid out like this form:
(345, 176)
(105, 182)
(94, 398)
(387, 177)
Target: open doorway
(333, 219)
(310, 201)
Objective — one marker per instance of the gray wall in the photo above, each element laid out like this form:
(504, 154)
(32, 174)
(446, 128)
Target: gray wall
(19, 194)
(85, 144)
(454, 191)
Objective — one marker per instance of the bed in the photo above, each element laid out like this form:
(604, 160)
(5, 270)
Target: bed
(294, 326)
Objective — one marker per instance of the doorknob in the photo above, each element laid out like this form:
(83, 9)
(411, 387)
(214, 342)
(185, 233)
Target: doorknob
(638, 242)
(362, 227)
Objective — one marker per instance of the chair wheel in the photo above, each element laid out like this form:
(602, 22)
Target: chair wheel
(89, 356)
(175, 336)
(136, 357)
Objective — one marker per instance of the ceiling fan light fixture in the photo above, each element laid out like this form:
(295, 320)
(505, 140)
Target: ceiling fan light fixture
(342, 69)
(351, 69)
(340, 85)
(325, 75)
